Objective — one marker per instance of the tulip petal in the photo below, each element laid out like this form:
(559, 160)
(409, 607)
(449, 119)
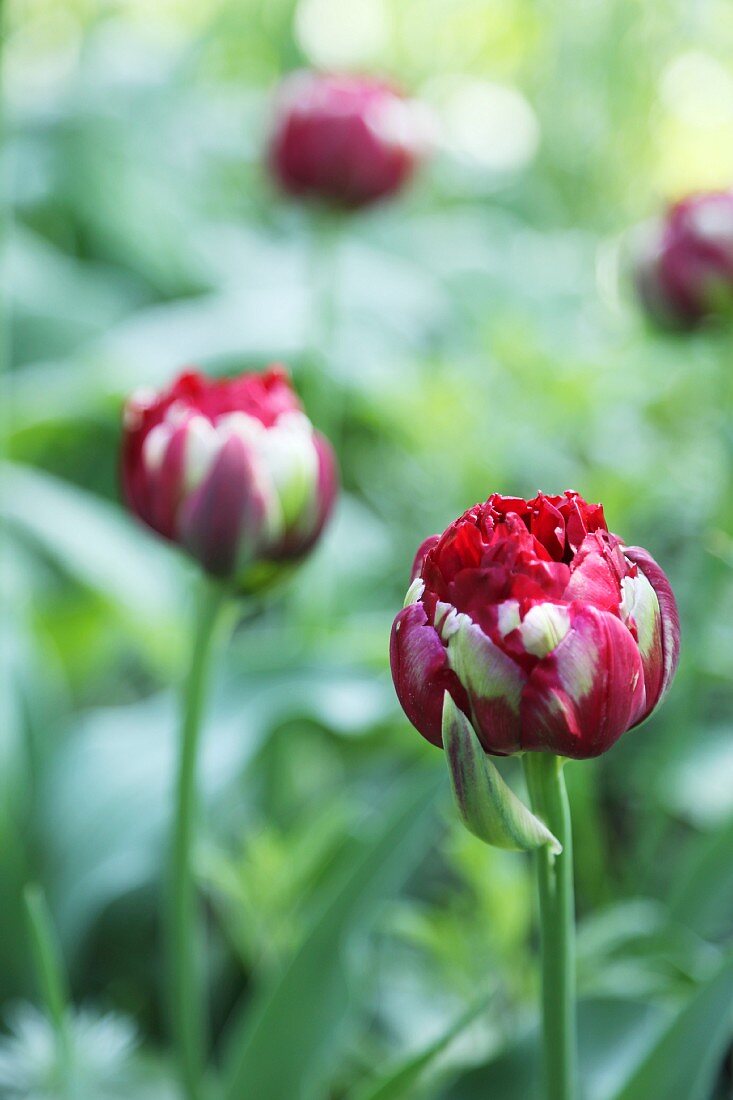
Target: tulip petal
(426, 545)
(328, 483)
(666, 646)
(588, 691)
(166, 485)
(223, 521)
(420, 671)
(304, 535)
(488, 807)
(492, 680)
(594, 580)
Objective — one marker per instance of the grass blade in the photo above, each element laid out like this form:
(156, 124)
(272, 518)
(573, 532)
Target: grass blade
(277, 1048)
(401, 1079)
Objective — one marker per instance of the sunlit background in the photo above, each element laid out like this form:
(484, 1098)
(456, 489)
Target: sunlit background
(478, 333)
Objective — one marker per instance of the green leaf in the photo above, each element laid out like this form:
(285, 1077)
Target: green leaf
(703, 886)
(684, 1063)
(488, 807)
(50, 971)
(614, 1034)
(277, 1047)
(398, 1082)
(93, 541)
(58, 301)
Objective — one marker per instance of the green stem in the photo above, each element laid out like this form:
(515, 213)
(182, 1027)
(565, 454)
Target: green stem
(51, 980)
(324, 275)
(186, 985)
(548, 795)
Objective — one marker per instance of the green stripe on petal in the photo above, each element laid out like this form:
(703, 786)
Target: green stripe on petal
(414, 592)
(639, 602)
(579, 666)
(544, 627)
(484, 670)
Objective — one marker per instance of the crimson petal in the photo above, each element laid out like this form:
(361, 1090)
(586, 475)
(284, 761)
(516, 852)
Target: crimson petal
(588, 691)
(420, 672)
(222, 522)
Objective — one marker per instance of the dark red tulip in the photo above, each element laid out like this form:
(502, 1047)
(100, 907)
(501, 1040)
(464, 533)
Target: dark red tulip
(683, 263)
(545, 629)
(345, 140)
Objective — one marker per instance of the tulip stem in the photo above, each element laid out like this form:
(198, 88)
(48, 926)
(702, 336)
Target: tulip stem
(324, 274)
(186, 985)
(546, 784)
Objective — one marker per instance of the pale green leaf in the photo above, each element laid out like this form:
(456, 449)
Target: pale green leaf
(98, 544)
(398, 1081)
(684, 1063)
(277, 1046)
(488, 807)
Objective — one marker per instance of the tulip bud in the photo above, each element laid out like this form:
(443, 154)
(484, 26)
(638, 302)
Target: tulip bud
(683, 263)
(546, 631)
(231, 470)
(345, 140)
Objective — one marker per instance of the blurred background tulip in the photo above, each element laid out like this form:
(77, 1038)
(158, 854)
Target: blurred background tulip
(230, 469)
(684, 262)
(345, 140)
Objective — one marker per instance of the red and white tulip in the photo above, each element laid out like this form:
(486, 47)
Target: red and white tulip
(547, 632)
(232, 470)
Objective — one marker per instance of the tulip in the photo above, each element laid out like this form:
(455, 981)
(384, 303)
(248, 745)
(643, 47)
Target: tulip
(345, 140)
(529, 628)
(547, 632)
(231, 470)
(683, 263)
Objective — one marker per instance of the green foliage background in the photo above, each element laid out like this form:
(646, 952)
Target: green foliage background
(478, 334)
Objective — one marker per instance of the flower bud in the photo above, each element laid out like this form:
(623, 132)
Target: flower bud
(231, 470)
(345, 140)
(683, 263)
(547, 632)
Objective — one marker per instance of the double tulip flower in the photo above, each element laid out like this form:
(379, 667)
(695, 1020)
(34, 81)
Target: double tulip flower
(231, 470)
(544, 629)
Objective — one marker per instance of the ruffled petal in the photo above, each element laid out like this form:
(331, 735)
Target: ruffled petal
(422, 551)
(596, 574)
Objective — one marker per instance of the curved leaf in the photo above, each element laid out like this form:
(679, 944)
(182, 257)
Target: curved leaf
(684, 1063)
(488, 807)
(398, 1082)
(93, 541)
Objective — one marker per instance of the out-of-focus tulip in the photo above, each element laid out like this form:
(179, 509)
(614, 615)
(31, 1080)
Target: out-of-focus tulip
(683, 263)
(345, 140)
(547, 632)
(230, 469)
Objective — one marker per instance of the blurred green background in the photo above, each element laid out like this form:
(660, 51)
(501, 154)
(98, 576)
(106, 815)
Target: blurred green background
(477, 334)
